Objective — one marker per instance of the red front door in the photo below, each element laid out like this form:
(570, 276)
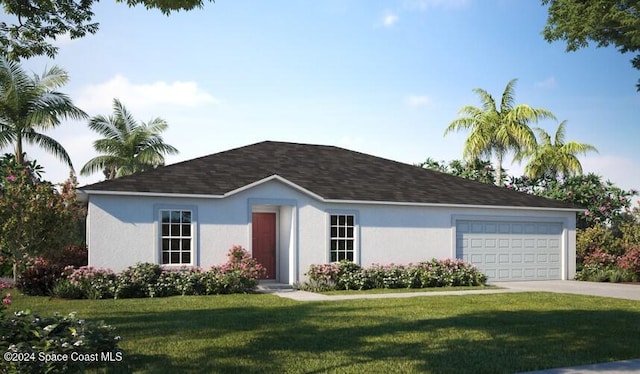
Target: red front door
(264, 242)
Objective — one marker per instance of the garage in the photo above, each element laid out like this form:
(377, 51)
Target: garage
(508, 251)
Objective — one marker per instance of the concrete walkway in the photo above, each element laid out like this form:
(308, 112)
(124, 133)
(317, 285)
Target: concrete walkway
(615, 290)
(618, 367)
(310, 296)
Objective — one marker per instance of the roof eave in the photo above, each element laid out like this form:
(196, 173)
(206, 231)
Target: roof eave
(315, 196)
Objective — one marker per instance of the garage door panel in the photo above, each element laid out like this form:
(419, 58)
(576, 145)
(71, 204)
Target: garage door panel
(511, 250)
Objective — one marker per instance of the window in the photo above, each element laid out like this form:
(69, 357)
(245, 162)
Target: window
(176, 237)
(342, 237)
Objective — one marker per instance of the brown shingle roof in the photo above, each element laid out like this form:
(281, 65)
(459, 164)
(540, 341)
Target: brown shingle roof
(331, 172)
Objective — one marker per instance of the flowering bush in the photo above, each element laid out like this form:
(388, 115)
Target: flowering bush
(39, 276)
(91, 282)
(630, 262)
(435, 273)
(137, 281)
(32, 336)
(600, 259)
(239, 274)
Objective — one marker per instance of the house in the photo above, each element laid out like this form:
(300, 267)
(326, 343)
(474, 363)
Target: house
(293, 205)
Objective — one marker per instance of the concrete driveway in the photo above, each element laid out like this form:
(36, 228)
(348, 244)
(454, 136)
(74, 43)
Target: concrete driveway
(615, 290)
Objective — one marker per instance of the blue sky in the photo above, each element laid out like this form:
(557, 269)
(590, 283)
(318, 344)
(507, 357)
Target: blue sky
(380, 77)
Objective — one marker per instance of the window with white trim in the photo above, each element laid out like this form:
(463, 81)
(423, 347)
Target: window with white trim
(343, 240)
(176, 242)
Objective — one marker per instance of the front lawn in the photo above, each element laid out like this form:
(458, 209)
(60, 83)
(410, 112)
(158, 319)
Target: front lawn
(498, 333)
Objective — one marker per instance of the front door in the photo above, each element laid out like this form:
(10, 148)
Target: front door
(264, 242)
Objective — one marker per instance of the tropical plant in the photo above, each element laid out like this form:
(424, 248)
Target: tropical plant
(127, 146)
(30, 104)
(495, 131)
(478, 170)
(557, 159)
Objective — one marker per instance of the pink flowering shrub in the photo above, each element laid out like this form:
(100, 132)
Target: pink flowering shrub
(239, 274)
(599, 258)
(435, 273)
(630, 261)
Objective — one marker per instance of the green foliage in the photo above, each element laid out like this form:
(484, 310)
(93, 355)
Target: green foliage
(127, 147)
(605, 22)
(37, 22)
(603, 202)
(39, 277)
(239, 274)
(555, 158)
(35, 218)
(497, 128)
(30, 104)
(597, 237)
(347, 275)
(630, 260)
(478, 170)
(36, 338)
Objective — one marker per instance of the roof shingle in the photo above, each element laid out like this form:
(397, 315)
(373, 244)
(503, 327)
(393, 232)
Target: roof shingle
(331, 172)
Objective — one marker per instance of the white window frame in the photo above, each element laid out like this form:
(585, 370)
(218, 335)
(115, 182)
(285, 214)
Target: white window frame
(339, 236)
(192, 237)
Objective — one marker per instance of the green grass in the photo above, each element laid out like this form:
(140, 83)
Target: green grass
(499, 333)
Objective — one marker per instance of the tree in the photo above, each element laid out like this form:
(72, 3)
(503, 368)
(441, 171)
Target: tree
(605, 22)
(497, 131)
(604, 203)
(35, 218)
(478, 170)
(127, 147)
(38, 22)
(555, 159)
(29, 104)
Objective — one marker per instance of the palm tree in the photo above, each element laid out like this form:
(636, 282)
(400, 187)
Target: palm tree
(554, 159)
(127, 147)
(496, 131)
(29, 104)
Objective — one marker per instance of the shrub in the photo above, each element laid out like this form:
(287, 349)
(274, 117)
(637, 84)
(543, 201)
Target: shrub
(434, 273)
(179, 281)
(93, 283)
(39, 277)
(64, 289)
(73, 255)
(630, 261)
(31, 335)
(137, 281)
(597, 237)
(600, 259)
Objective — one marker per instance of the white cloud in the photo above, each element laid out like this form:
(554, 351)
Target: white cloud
(417, 101)
(390, 19)
(423, 5)
(614, 168)
(547, 83)
(100, 96)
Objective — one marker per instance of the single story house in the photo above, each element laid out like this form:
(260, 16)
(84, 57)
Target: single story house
(294, 205)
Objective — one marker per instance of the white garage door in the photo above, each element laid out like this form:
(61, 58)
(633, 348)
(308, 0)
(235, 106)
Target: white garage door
(507, 251)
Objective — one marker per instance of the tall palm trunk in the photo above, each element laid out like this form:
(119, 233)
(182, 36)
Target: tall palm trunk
(499, 169)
